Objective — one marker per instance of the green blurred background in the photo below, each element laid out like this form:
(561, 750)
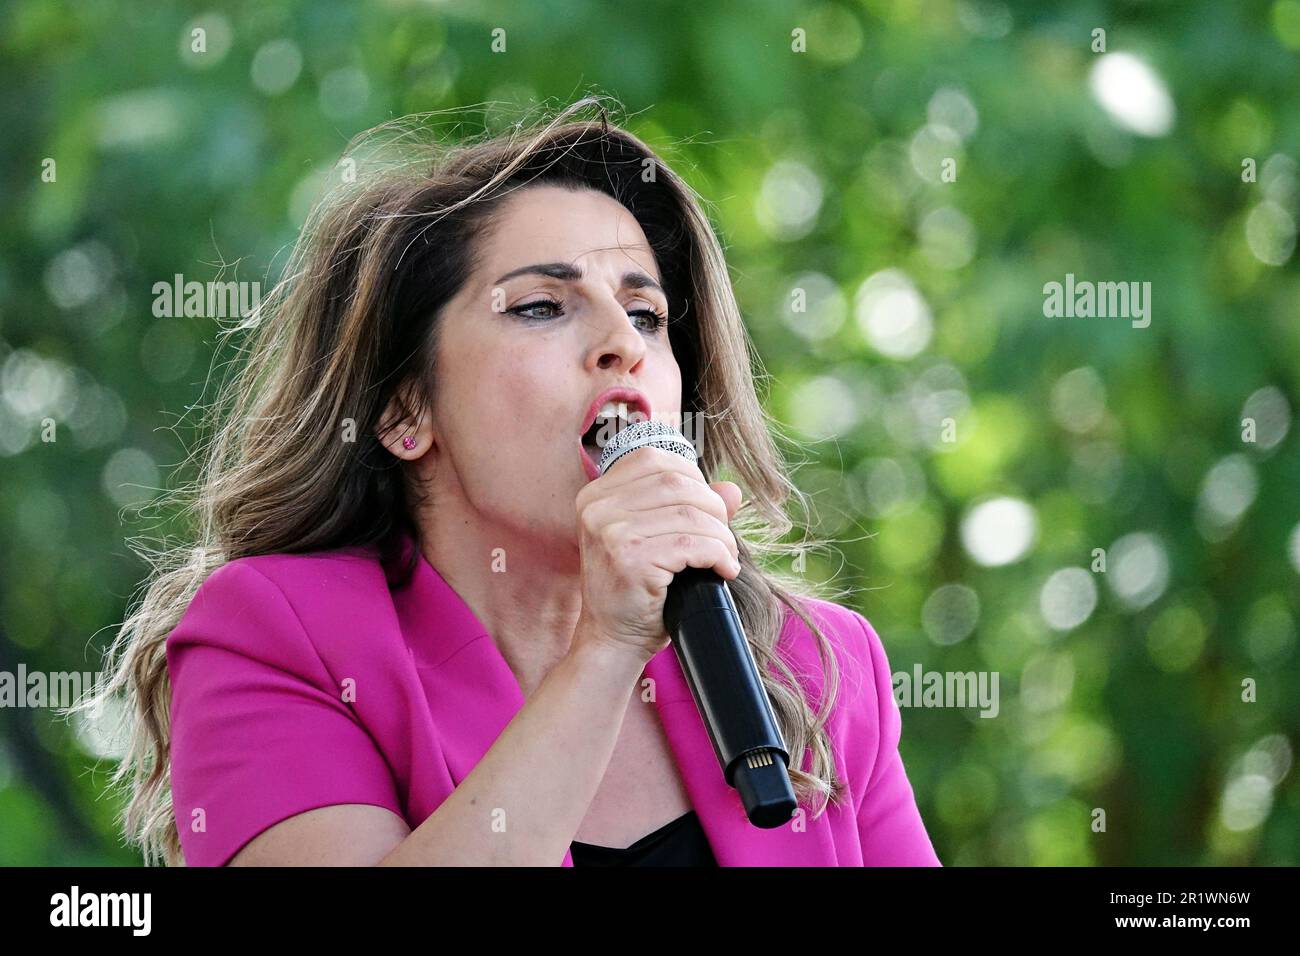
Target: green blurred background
(971, 453)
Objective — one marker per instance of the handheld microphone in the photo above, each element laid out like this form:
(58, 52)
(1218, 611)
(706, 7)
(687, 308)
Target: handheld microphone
(701, 618)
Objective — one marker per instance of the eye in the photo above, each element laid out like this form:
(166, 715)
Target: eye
(658, 319)
(556, 307)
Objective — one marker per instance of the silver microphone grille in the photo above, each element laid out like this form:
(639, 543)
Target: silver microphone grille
(649, 432)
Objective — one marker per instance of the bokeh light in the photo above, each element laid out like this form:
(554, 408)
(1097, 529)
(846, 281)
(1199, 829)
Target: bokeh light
(1138, 570)
(1132, 94)
(1000, 531)
(893, 315)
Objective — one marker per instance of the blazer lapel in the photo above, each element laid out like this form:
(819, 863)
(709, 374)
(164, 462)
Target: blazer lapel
(472, 693)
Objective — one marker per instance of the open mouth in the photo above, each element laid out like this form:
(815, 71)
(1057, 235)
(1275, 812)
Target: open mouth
(611, 418)
(602, 432)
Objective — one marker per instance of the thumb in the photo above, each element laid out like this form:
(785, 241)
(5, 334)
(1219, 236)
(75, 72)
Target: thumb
(730, 493)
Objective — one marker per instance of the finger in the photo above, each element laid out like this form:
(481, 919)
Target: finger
(647, 460)
(729, 491)
(678, 550)
(687, 519)
(663, 488)
(636, 466)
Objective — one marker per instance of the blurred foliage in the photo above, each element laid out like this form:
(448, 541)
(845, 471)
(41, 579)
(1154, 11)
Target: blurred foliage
(899, 315)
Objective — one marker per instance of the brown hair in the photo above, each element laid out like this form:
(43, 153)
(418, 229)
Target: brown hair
(354, 323)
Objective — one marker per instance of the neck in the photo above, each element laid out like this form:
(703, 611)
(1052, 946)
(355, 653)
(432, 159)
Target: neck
(526, 591)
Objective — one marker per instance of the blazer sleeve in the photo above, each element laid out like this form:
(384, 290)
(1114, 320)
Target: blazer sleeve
(260, 730)
(889, 823)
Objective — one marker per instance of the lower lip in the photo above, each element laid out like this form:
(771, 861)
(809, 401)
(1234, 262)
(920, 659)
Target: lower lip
(589, 466)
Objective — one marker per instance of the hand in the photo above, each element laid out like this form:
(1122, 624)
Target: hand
(638, 525)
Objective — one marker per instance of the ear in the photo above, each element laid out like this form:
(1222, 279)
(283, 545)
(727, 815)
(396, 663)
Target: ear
(405, 428)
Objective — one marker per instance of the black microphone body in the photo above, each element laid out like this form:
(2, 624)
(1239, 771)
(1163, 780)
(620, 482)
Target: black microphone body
(709, 640)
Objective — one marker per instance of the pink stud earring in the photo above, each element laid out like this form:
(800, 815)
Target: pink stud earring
(408, 442)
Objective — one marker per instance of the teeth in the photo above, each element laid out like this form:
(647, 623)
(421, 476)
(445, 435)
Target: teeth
(612, 411)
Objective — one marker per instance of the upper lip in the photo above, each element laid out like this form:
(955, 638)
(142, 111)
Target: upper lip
(629, 395)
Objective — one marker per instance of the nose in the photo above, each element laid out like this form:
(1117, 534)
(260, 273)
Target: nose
(616, 341)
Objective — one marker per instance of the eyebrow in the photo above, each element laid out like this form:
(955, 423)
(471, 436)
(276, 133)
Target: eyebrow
(571, 273)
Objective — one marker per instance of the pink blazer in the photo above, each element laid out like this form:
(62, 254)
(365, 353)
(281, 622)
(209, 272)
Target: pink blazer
(301, 681)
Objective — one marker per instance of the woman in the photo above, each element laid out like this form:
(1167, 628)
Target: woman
(418, 626)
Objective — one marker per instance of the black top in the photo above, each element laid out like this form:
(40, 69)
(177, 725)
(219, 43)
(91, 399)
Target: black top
(679, 843)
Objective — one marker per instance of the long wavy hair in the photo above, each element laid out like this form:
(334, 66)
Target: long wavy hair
(353, 323)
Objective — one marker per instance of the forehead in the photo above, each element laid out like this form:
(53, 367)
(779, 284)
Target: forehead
(585, 227)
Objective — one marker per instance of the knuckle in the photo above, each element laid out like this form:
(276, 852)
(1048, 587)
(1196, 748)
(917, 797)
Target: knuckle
(674, 480)
(624, 553)
(683, 540)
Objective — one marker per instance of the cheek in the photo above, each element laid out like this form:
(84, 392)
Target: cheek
(511, 395)
(669, 383)
(473, 416)
(522, 405)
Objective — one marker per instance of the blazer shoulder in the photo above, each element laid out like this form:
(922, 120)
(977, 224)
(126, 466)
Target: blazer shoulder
(293, 595)
(865, 721)
(852, 639)
(315, 570)
(309, 576)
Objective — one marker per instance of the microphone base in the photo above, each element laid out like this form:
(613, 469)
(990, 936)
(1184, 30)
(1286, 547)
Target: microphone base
(763, 784)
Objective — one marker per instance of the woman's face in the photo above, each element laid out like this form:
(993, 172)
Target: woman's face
(522, 354)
